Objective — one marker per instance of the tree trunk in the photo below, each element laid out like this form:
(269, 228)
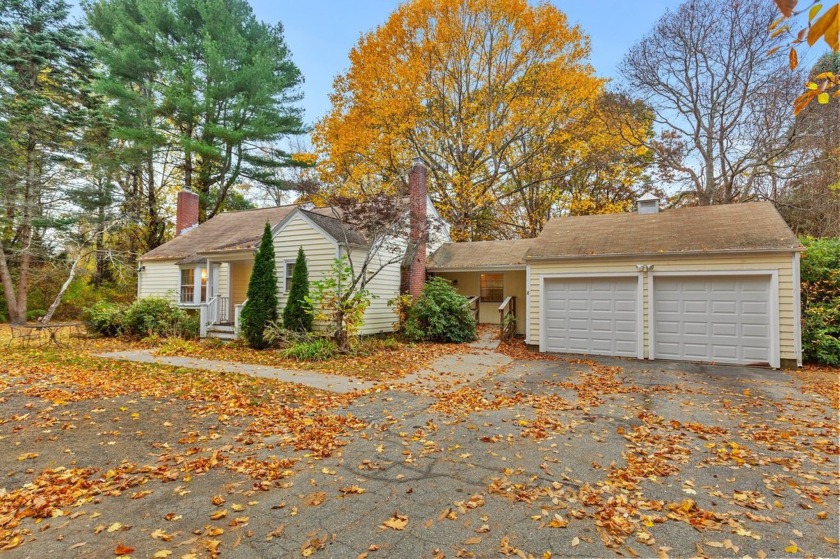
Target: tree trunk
(62, 291)
(25, 237)
(8, 287)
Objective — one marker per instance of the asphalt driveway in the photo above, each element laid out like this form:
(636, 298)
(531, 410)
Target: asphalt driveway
(542, 458)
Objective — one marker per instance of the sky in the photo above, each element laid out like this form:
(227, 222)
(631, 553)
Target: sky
(320, 34)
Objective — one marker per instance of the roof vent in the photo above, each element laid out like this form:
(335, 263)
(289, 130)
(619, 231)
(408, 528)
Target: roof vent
(648, 204)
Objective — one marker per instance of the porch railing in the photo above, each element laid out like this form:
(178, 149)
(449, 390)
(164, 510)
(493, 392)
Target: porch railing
(237, 312)
(475, 306)
(223, 314)
(507, 318)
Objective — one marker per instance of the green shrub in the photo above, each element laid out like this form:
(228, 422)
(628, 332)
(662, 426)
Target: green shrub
(261, 308)
(820, 274)
(147, 317)
(35, 314)
(440, 314)
(297, 315)
(105, 318)
(315, 349)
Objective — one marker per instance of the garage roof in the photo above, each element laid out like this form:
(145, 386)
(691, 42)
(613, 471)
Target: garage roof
(481, 255)
(749, 227)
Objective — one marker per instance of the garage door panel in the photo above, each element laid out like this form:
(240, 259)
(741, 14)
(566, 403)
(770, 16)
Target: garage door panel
(598, 316)
(725, 318)
(724, 307)
(696, 328)
(760, 331)
(723, 329)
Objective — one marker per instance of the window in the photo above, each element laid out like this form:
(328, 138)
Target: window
(187, 285)
(203, 284)
(492, 288)
(287, 280)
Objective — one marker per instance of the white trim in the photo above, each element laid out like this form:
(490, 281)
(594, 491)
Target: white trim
(287, 280)
(775, 349)
(640, 322)
(278, 229)
(527, 304)
(640, 327)
(651, 330)
(512, 268)
(637, 255)
(797, 309)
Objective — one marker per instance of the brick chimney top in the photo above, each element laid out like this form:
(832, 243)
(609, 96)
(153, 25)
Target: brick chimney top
(187, 211)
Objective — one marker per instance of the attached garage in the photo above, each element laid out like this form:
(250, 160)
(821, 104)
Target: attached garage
(715, 284)
(592, 315)
(715, 318)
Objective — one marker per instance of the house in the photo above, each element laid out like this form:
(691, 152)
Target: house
(207, 267)
(710, 284)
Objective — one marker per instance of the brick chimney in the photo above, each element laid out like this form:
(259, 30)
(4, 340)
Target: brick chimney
(187, 211)
(418, 226)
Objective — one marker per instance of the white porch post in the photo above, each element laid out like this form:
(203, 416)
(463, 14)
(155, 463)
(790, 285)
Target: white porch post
(202, 321)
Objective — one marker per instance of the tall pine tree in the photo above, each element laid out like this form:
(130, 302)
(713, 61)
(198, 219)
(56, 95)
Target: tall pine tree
(222, 81)
(261, 307)
(297, 315)
(44, 76)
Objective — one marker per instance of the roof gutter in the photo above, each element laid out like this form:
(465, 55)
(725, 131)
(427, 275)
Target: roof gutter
(654, 254)
(502, 267)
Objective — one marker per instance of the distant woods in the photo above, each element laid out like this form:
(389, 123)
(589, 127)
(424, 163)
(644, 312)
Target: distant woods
(101, 123)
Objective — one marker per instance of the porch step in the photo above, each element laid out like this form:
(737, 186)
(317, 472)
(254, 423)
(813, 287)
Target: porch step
(221, 331)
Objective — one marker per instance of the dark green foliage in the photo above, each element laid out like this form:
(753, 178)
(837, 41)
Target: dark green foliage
(44, 73)
(261, 308)
(105, 318)
(155, 316)
(150, 316)
(221, 82)
(315, 349)
(440, 314)
(297, 315)
(34, 314)
(820, 274)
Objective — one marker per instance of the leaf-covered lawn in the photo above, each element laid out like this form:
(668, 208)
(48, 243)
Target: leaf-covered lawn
(372, 359)
(545, 456)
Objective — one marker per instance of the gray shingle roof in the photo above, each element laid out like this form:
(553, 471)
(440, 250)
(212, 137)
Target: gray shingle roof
(225, 231)
(480, 254)
(747, 227)
(755, 226)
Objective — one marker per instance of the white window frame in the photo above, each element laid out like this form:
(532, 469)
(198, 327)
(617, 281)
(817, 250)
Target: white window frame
(197, 268)
(287, 279)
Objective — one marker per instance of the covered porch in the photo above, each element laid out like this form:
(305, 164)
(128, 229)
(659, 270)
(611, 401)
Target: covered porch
(216, 286)
(492, 275)
(496, 296)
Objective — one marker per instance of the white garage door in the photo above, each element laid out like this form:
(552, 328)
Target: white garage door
(598, 316)
(725, 319)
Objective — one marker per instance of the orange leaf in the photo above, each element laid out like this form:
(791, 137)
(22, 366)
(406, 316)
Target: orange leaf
(123, 550)
(827, 27)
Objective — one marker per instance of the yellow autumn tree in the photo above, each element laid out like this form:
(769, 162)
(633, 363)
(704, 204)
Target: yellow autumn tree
(480, 89)
(595, 168)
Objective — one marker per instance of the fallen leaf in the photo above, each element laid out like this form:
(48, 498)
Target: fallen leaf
(123, 550)
(396, 522)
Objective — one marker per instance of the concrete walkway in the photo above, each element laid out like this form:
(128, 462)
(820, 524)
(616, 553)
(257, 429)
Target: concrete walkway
(444, 374)
(313, 379)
